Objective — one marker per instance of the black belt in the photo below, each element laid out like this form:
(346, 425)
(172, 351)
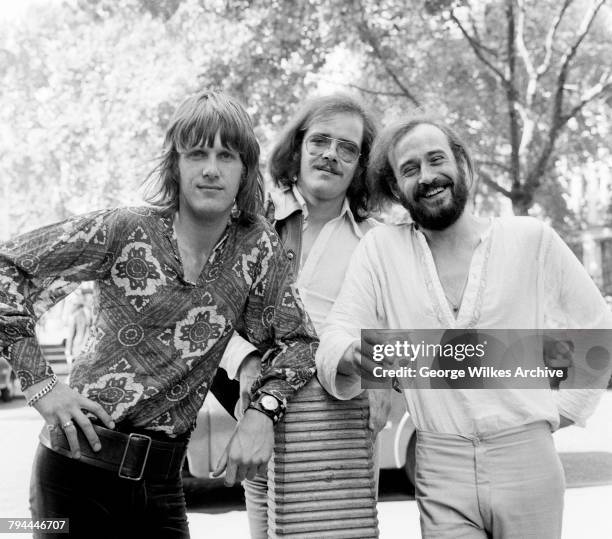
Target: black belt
(131, 456)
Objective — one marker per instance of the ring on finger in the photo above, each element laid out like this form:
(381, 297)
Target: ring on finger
(67, 425)
(52, 426)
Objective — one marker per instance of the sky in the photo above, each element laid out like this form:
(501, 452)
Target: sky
(11, 10)
(14, 10)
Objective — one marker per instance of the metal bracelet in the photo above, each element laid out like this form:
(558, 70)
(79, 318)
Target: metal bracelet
(40, 394)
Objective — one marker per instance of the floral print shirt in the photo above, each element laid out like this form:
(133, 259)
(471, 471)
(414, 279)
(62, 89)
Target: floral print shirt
(157, 338)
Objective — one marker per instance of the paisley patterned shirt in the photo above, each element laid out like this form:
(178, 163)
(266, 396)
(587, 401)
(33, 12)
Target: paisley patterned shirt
(157, 338)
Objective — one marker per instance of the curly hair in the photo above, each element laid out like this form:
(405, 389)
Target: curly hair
(284, 161)
(195, 123)
(380, 177)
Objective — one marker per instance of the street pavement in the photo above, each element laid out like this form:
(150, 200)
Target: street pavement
(587, 509)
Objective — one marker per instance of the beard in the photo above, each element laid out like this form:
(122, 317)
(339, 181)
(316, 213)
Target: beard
(443, 216)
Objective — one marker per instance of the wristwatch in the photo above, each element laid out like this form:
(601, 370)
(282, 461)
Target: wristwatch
(269, 405)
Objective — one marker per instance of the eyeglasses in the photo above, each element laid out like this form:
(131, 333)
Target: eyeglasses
(319, 144)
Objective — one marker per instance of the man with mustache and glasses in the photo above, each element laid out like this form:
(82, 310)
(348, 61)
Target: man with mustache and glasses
(319, 207)
(171, 282)
(486, 463)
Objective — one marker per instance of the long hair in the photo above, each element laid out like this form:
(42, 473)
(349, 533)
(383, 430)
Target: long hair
(284, 162)
(381, 179)
(195, 123)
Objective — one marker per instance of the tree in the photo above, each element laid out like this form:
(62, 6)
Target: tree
(88, 87)
(513, 73)
(540, 93)
(86, 98)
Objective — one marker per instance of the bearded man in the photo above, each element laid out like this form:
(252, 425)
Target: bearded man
(486, 462)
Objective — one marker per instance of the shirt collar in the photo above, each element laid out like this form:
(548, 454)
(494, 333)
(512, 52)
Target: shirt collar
(348, 214)
(300, 200)
(289, 200)
(286, 203)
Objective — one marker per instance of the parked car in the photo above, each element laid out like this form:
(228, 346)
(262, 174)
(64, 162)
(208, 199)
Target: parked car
(8, 381)
(213, 431)
(215, 426)
(398, 439)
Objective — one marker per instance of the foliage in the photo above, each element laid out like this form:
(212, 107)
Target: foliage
(84, 111)
(88, 87)
(520, 78)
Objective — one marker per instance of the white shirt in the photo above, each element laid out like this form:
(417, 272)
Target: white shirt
(522, 276)
(320, 276)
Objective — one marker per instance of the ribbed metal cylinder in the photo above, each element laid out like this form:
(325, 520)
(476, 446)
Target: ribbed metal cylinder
(321, 481)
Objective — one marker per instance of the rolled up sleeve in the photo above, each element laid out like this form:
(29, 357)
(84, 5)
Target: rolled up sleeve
(355, 309)
(574, 301)
(235, 353)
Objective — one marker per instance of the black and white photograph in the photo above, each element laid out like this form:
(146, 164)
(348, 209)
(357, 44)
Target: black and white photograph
(306, 269)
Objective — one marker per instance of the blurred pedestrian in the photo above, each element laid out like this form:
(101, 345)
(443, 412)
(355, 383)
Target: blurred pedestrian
(78, 318)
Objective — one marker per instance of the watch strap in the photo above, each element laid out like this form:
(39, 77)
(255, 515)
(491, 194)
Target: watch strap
(275, 415)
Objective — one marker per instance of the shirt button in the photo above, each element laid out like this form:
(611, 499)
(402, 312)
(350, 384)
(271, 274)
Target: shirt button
(290, 254)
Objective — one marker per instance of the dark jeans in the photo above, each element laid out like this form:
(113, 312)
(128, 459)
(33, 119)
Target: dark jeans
(100, 504)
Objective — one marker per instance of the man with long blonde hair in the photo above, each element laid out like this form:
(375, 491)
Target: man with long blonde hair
(171, 282)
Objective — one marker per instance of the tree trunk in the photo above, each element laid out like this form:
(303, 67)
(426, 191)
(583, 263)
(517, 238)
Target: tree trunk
(521, 201)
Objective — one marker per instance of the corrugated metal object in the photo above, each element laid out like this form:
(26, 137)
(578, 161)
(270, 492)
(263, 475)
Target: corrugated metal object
(321, 478)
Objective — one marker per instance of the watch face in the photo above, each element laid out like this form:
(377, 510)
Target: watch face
(269, 403)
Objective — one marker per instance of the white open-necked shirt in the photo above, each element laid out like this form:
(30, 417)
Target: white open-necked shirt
(320, 275)
(522, 276)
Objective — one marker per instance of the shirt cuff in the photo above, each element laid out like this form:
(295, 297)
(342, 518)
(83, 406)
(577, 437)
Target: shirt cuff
(577, 404)
(235, 353)
(341, 386)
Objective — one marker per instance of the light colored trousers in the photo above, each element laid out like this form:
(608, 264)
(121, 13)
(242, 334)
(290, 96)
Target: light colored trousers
(502, 486)
(256, 497)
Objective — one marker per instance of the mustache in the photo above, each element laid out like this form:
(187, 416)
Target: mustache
(328, 165)
(422, 189)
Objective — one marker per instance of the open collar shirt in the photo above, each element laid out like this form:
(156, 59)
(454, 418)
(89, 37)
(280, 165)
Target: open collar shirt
(320, 276)
(157, 338)
(522, 276)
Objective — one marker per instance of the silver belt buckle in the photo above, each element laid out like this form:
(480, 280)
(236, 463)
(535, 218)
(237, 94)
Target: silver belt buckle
(144, 461)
